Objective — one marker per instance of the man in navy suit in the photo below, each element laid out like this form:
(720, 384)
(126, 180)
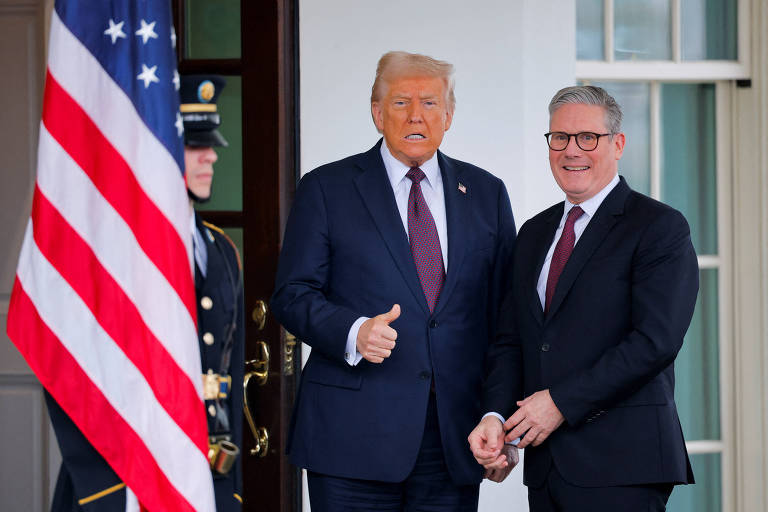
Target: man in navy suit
(392, 267)
(604, 286)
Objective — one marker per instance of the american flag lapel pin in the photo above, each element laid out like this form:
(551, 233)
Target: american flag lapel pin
(462, 188)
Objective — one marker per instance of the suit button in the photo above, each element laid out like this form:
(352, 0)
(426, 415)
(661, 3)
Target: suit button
(545, 347)
(208, 338)
(206, 303)
(425, 375)
(433, 324)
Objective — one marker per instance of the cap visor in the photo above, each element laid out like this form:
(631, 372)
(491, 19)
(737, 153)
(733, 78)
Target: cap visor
(204, 139)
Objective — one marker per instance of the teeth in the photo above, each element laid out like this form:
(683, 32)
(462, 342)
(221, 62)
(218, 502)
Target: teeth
(415, 136)
(584, 168)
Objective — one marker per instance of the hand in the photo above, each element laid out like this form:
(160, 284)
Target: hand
(486, 442)
(538, 416)
(513, 457)
(376, 339)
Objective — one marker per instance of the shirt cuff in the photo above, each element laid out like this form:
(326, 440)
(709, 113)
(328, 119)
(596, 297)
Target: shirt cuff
(514, 442)
(351, 355)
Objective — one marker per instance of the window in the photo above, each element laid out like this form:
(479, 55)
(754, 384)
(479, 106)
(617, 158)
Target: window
(668, 63)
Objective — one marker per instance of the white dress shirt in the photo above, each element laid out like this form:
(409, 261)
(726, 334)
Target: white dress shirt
(432, 190)
(589, 206)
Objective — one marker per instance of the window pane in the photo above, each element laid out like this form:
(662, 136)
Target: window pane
(635, 163)
(589, 30)
(228, 170)
(212, 29)
(709, 29)
(688, 165)
(706, 495)
(642, 30)
(697, 368)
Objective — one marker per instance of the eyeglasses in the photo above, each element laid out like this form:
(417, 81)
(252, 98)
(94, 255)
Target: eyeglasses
(587, 141)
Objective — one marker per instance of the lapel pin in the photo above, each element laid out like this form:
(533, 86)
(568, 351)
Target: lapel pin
(462, 188)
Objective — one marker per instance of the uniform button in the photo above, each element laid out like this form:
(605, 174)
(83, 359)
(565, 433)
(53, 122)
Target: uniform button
(208, 338)
(211, 410)
(206, 302)
(433, 324)
(545, 347)
(425, 375)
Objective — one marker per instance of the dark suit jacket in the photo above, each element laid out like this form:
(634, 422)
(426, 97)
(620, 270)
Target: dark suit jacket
(346, 255)
(607, 346)
(84, 472)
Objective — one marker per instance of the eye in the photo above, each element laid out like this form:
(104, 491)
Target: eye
(587, 136)
(559, 136)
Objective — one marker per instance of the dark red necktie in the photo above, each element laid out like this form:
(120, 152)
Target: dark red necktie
(425, 244)
(562, 252)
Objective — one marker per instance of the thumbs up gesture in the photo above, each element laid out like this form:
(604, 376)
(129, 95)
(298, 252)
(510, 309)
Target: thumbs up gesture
(376, 339)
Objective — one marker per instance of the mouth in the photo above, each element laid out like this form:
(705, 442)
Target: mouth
(572, 168)
(415, 136)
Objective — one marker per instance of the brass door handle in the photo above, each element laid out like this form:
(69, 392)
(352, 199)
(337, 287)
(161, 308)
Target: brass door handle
(259, 373)
(260, 365)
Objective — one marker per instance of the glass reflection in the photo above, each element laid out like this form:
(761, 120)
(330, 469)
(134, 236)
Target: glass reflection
(642, 30)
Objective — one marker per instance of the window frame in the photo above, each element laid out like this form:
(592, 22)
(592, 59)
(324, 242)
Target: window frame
(669, 70)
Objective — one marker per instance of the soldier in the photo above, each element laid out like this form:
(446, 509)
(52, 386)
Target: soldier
(218, 290)
(86, 482)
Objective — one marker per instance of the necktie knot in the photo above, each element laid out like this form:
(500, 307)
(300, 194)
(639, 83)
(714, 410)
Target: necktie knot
(574, 215)
(415, 174)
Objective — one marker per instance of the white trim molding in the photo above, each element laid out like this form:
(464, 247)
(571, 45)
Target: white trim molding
(750, 276)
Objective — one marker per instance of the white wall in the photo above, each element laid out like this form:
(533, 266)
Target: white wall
(510, 56)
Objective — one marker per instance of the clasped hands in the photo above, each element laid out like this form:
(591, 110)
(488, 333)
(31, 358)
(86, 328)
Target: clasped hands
(535, 419)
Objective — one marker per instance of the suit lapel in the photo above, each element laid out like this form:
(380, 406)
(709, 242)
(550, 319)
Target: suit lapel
(456, 213)
(542, 243)
(596, 231)
(378, 197)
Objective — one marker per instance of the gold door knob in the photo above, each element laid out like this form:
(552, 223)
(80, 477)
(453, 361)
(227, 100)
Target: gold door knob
(259, 314)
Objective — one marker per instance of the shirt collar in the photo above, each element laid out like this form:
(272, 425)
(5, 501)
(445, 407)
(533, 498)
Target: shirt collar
(396, 170)
(591, 205)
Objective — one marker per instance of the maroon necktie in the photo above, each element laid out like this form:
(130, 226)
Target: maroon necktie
(425, 244)
(562, 252)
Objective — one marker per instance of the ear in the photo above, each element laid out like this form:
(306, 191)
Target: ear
(448, 119)
(378, 116)
(619, 140)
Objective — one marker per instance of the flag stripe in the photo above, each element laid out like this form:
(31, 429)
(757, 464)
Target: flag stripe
(91, 87)
(88, 408)
(74, 195)
(82, 140)
(77, 264)
(102, 360)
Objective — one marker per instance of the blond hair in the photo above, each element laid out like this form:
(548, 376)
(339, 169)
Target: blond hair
(393, 65)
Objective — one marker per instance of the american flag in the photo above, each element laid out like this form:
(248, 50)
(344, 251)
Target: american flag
(103, 306)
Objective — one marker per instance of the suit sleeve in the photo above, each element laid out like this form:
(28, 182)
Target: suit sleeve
(665, 282)
(300, 300)
(503, 368)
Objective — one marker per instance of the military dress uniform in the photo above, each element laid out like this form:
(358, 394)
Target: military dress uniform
(221, 333)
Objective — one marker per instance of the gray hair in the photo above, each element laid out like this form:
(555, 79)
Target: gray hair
(589, 95)
(393, 65)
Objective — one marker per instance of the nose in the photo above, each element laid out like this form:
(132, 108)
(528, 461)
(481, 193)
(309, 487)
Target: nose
(209, 156)
(415, 112)
(572, 149)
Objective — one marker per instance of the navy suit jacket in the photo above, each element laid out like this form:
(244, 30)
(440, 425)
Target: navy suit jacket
(346, 255)
(607, 345)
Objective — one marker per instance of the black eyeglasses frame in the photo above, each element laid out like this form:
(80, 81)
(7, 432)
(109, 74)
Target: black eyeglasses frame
(576, 138)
